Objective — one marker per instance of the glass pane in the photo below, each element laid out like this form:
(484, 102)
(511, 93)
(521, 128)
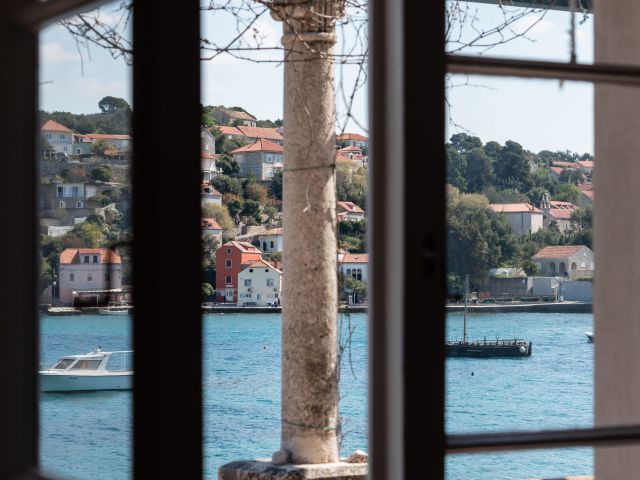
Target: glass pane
(533, 464)
(243, 157)
(520, 194)
(539, 31)
(85, 230)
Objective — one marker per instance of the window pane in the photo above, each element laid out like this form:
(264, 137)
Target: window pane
(520, 194)
(85, 229)
(243, 265)
(505, 30)
(533, 464)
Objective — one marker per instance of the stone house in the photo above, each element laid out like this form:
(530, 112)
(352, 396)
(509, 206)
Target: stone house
(211, 228)
(524, 218)
(353, 140)
(259, 283)
(251, 134)
(90, 272)
(349, 211)
(208, 194)
(571, 261)
(207, 141)
(261, 158)
(231, 259)
(271, 240)
(74, 198)
(58, 136)
(227, 116)
(557, 213)
(354, 265)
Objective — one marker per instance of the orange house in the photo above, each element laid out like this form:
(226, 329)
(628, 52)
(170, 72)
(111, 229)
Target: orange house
(230, 259)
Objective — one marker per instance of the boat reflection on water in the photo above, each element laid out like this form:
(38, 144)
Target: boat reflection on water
(96, 370)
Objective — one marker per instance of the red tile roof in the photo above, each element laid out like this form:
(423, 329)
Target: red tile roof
(261, 264)
(586, 163)
(229, 130)
(108, 136)
(352, 136)
(260, 132)
(565, 205)
(561, 251)
(71, 255)
(53, 126)
(244, 247)
(350, 207)
(211, 156)
(273, 231)
(565, 164)
(560, 213)
(260, 145)
(588, 194)
(355, 258)
(585, 186)
(350, 149)
(514, 208)
(210, 224)
(556, 170)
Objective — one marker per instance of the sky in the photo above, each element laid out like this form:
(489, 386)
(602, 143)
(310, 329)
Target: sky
(538, 114)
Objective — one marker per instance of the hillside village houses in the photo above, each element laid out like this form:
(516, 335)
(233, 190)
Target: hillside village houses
(259, 284)
(208, 194)
(59, 137)
(91, 276)
(271, 240)
(227, 116)
(524, 218)
(260, 159)
(211, 228)
(353, 140)
(251, 134)
(349, 211)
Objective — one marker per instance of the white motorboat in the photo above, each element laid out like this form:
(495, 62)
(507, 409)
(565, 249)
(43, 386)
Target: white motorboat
(96, 370)
(589, 336)
(115, 308)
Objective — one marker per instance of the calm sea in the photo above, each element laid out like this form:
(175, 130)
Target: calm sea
(84, 435)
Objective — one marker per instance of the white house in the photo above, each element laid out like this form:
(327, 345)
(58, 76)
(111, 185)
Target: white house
(523, 217)
(208, 194)
(122, 143)
(261, 158)
(349, 211)
(573, 261)
(58, 136)
(208, 166)
(259, 283)
(354, 265)
(271, 240)
(88, 270)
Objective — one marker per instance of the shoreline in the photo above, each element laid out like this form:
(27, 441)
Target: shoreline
(554, 307)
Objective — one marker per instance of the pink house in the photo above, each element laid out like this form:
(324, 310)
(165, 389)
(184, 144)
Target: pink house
(88, 271)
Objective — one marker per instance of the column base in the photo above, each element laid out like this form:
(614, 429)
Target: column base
(265, 470)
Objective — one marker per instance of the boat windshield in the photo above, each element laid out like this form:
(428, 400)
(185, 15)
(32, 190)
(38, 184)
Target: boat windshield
(86, 365)
(63, 364)
(120, 361)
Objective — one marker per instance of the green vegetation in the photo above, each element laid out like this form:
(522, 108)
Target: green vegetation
(114, 117)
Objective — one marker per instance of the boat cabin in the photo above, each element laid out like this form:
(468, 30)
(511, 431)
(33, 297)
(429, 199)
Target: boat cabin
(96, 360)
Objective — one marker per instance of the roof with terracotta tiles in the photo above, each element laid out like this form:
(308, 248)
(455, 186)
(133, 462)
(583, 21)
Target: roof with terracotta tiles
(225, 130)
(260, 145)
(244, 247)
(350, 207)
(211, 156)
(585, 186)
(210, 224)
(53, 126)
(108, 136)
(355, 258)
(565, 164)
(352, 136)
(564, 205)
(260, 132)
(556, 170)
(588, 194)
(514, 208)
(72, 255)
(261, 264)
(272, 231)
(560, 213)
(350, 149)
(560, 251)
(586, 163)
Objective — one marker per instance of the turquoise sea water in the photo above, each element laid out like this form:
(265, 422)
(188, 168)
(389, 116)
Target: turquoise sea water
(84, 435)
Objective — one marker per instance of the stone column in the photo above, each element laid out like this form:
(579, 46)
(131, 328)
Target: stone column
(309, 293)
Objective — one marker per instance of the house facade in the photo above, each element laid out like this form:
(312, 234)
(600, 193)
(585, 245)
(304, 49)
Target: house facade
(349, 211)
(227, 116)
(207, 141)
(120, 143)
(208, 167)
(259, 283)
(271, 240)
(88, 271)
(208, 194)
(354, 265)
(353, 140)
(571, 261)
(262, 159)
(211, 228)
(231, 259)
(58, 136)
(524, 218)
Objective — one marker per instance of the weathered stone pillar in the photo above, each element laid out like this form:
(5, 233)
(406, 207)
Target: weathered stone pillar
(309, 304)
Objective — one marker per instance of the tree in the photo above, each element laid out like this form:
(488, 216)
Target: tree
(571, 176)
(251, 212)
(255, 191)
(456, 169)
(101, 174)
(492, 149)
(225, 184)
(478, 170)
(568, 192)
(228, 165)
(99, 147)
(582, 218)
(113, 104)
(207, 291)
(352, 184)
(221, 215)
(511, 167)
(463, 143)
(275, 185)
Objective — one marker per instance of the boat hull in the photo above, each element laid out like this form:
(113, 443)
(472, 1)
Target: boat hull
(488, 349)
(83, 383)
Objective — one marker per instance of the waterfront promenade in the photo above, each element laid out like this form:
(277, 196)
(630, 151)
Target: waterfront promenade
(531, 307)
